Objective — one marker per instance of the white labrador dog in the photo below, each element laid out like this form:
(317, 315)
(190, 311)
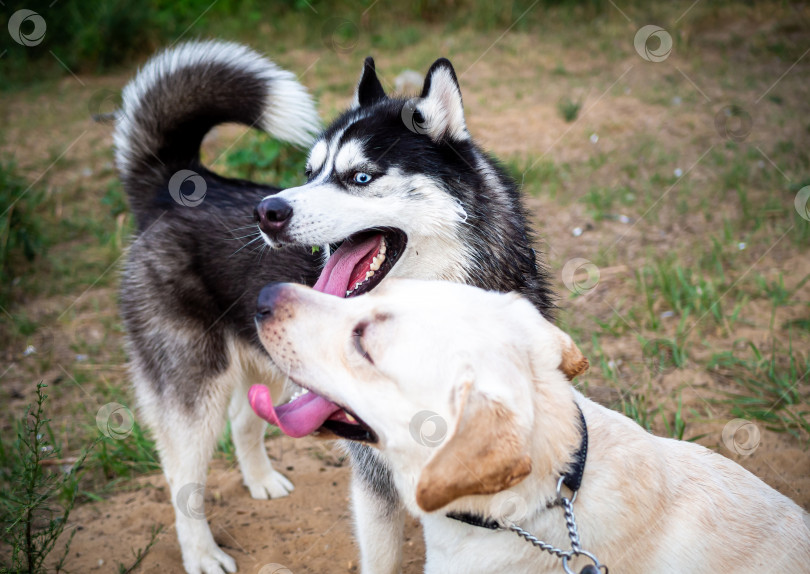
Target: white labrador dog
(400, 366)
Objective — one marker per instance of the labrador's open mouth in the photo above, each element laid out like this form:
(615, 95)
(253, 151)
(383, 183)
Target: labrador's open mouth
(307, 413)
(363, 260)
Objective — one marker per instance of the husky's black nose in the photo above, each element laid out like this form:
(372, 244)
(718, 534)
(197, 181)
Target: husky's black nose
(272, 214)
(269, 298)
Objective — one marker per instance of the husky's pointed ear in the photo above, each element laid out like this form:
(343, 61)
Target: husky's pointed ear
(369, 89)
(440, 103)
(486, 454)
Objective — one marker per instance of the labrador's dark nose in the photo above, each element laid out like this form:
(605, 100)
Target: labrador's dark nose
(269, 299)
(272, 214)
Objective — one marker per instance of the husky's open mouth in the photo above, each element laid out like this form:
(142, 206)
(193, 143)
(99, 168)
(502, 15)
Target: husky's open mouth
(309, 412)
(363, 260)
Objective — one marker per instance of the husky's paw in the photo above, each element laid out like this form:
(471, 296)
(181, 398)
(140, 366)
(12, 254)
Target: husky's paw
(213, 561)
(271, 485)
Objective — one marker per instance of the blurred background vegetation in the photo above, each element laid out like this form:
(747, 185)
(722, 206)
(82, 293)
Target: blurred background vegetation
(101, 35)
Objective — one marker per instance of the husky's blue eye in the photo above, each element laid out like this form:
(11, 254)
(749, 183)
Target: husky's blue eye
(362, 178)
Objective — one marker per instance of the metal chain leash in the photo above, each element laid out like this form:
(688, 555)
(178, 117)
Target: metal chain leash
(571, 524)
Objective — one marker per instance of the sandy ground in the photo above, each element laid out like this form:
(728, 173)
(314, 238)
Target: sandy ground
(308, 531)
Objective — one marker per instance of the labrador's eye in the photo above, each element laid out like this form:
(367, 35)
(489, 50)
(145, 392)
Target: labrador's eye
(362, 178)
(357, 339)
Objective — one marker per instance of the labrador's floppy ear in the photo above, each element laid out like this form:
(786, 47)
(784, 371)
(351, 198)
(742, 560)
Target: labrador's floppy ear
(440, 103)
(369, 89)
(572, 361)
(486, 454)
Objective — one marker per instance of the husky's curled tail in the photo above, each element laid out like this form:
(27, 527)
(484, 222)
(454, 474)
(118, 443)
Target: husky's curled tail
(183, 92)
(189, 286)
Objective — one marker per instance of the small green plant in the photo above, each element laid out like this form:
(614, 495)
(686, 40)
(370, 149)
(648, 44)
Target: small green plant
(260, 158)
(140, 554)
(35, 497)
(569, 109)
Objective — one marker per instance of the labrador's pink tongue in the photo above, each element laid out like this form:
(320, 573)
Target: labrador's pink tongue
(337, 274)
(298, 418)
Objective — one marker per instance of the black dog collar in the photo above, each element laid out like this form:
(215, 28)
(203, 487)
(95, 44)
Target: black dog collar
(572, 479)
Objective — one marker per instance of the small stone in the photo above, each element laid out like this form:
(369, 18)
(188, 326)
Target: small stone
(678, 172)
(594, 138)
(576, 232)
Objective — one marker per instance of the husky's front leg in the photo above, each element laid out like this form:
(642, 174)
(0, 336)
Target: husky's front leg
(379, 516)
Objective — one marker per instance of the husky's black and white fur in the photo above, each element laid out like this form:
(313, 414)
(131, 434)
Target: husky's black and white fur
(404, 170)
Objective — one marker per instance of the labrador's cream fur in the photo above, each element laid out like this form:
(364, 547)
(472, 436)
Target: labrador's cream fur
(497, 373)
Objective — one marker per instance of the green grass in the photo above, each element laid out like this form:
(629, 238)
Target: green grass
(260, 158)
(774, 389)
(21, 233)
(569, 109)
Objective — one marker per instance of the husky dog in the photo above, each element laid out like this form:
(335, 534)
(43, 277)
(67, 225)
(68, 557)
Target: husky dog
(402, 190)
(395, 187)
(188, 290)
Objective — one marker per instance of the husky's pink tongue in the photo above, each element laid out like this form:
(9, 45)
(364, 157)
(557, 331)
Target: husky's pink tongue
(337, 275)
(299, 417)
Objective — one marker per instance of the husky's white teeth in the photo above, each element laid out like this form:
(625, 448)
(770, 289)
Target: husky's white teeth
(350, 418)
(376, 263)
(378, 260)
